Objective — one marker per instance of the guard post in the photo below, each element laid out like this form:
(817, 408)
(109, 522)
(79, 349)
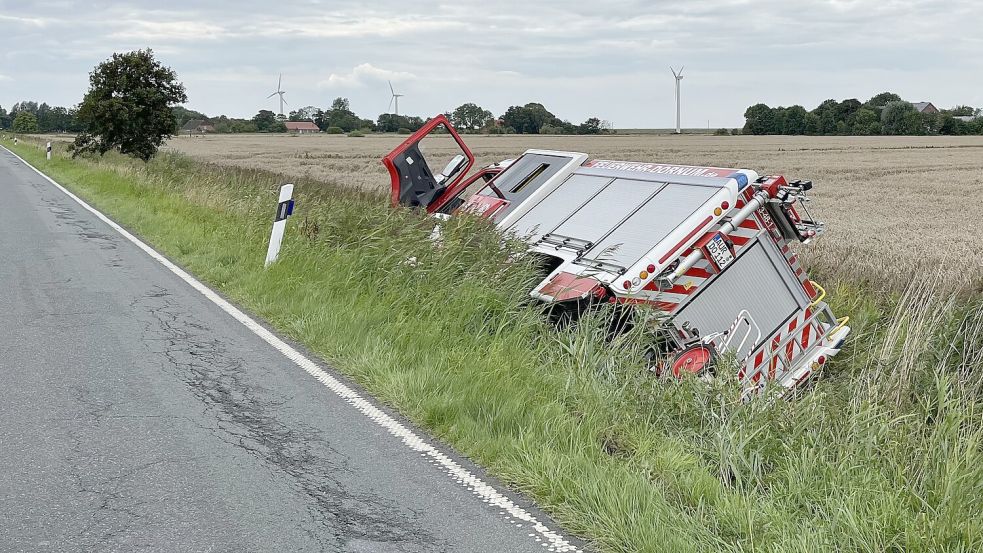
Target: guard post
(284, 208)
(48, 151)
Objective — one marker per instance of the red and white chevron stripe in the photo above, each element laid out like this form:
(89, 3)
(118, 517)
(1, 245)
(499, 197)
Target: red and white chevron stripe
(773, 360)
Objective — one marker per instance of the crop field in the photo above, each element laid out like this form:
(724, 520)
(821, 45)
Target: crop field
(894, 205)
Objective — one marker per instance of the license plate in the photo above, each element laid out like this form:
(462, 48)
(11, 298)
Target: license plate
(720, 252)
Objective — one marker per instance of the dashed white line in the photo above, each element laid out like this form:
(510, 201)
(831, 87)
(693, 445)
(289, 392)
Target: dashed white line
(553, 540)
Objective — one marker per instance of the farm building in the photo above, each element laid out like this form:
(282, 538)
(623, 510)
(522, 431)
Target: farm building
(925, 107)
(197, 126)
(302, 127)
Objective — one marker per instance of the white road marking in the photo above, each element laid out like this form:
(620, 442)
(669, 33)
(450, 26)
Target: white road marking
(488, 494)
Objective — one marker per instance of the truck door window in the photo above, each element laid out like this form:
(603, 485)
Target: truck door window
(529, 178)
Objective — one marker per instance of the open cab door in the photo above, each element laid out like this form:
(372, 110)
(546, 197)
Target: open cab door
(411, 167)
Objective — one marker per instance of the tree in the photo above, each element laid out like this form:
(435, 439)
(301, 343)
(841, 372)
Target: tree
(25, 105)
(827, 122)
(827, 113)
(827, 105)
(341, 104)
(470, 117)
(306, 113)
(182, 115)
(128, 106)
(893, 116)
(25, 122)
(530, 118)
(340, 115)
(847, 109)
(965, 111)
(866, 122)
(760, 119)
(795, 120)
(951, 126)
(590, 126)
(913, 123)
(812, 124)
(264, 120)
(389, 122)
(4, 118)
(881, 100)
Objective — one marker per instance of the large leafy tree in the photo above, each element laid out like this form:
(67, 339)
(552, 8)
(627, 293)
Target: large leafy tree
(847, 110)
(470, 117)
(760, 119)
(866, 122)
(881, 100)
(341, 115)
(267, 121)
(389, 122)
(529, 118)
(895, 118)
(25, 122)
(306, 113)
(128, 106)
(795, 120)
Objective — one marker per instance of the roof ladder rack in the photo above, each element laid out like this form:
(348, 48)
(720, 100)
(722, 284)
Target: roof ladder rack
(566, 242)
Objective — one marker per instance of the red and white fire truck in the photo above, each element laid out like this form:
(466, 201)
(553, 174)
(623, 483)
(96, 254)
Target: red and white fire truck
(709, 247)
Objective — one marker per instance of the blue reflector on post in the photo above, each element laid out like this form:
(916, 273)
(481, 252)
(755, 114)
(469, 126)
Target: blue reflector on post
(283, 210)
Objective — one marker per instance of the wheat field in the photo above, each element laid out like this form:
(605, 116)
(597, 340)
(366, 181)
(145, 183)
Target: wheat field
(894, 205)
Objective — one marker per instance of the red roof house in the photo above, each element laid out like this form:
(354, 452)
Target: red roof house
(301, 127)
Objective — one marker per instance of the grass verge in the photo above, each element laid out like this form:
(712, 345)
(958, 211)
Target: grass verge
(884, 453)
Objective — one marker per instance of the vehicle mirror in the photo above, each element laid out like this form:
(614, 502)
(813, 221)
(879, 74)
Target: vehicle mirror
(453, 167)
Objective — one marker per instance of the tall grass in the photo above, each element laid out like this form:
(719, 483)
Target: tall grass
(882, 454)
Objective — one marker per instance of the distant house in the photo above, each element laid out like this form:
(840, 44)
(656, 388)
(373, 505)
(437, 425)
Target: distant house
(197, 126)
(302, 127)
(965, 118)
(925, 107)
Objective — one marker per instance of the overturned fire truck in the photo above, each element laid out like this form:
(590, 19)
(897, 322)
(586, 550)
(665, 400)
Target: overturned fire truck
(708, 246)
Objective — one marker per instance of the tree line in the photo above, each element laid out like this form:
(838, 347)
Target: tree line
(884, 114)
(31, 117)
(532, 118)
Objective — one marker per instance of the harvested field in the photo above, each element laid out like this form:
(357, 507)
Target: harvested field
(893, 204)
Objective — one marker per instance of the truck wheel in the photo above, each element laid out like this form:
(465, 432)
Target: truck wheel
(696, 359)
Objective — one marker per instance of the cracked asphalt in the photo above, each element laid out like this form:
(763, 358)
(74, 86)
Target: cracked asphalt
(136, 415)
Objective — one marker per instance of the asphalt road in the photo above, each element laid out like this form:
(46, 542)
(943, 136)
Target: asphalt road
(135, 414)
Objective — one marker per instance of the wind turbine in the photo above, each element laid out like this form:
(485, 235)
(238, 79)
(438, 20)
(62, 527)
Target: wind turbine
(395, 98)
(280, 92)
(679, 77)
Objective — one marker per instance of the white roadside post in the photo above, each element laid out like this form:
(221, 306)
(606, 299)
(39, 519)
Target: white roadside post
(284, 209)
(48, 151)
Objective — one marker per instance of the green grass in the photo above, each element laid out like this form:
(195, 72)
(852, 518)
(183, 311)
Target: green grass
(883, 454)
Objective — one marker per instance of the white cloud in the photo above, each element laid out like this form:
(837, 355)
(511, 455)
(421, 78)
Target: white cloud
(31, 21)
(167, 30)
(350, 26)
(363, 74)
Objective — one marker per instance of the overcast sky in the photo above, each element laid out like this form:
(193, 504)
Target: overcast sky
(579, 58)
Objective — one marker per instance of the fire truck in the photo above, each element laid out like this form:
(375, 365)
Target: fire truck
(710, 248)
